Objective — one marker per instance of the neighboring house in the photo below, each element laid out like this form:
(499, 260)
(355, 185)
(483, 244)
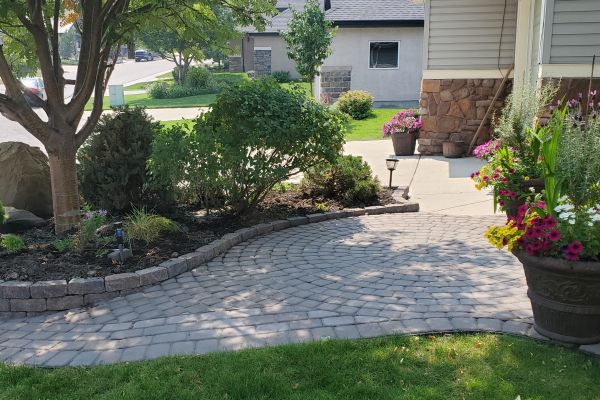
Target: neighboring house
(469, 45)
(378, 48)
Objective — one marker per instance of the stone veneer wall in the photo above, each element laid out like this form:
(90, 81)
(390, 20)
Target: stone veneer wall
(334, 82)
(235, 64)
(262, 62)
(452, 110)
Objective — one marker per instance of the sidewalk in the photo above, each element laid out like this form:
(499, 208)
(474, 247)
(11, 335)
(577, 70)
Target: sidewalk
(438, 184)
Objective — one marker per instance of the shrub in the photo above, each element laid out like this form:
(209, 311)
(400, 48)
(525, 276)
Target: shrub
(349, 180)
(282, 76)
(356, 103)
(141, 225)
(12, 243)
(256, 135)
(201, 78)
(158, 90)
(2, 214)
(112, 163)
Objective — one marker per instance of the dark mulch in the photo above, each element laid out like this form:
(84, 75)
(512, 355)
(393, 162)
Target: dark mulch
(40, 261)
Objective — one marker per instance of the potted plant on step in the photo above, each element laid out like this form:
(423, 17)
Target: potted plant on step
(557, 236)
(403, 128)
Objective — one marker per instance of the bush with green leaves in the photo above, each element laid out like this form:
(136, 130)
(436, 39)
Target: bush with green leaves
(158, 90)
(63, 245)
(2, 214)
(256, 135)
(12, 243)
(201, 78)
(112, 163)
(358, 104)
(349, 180)
(147, 227)
(282, 76)
(86, 235)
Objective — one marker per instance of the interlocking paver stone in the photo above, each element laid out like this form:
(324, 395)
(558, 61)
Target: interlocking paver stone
(344, 278)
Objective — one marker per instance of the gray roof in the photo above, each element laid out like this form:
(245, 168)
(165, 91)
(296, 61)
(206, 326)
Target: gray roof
(376, 10)
(280, 22)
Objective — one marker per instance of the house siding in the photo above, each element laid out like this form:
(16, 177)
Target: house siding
(573, 30)
(279, 58)
(467, 34)
(351, 48)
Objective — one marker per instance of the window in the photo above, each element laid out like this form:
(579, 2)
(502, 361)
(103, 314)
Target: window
(383, 55)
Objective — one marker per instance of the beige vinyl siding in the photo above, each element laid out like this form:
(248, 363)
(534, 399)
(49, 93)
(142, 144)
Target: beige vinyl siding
(465, 34)
(574, 31)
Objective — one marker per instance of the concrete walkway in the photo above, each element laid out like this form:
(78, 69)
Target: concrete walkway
(349, 278)
(440, 185)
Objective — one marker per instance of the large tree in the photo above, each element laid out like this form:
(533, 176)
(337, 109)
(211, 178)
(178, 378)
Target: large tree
(30, 37)
(308, 39)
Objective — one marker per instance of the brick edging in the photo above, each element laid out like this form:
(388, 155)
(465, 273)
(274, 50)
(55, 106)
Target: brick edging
(18, 298)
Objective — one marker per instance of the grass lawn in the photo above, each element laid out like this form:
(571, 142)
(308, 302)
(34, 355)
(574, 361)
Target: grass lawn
(370, 128)
(142, 100)
(473, 367)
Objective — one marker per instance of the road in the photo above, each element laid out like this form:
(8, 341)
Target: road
(126, 73)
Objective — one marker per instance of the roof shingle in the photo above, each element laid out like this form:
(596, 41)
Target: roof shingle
(376, 10)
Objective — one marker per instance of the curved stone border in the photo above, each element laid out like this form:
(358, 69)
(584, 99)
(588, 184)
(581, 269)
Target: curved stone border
(18, 299)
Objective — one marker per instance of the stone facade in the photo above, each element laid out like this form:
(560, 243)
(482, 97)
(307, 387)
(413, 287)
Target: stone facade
(262, 62)
(453, 109)
(334, 82)
(235, 64)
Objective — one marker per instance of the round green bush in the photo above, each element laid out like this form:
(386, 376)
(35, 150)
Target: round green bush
(349, 180)
(112, 163)
(200, 78)
(282, 76)
(158, 90)
(356, 103)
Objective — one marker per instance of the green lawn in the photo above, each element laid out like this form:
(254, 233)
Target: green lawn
(474, 367)
(142, 100)
(370, 128)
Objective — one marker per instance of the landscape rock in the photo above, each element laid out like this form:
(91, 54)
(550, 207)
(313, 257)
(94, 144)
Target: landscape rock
(20, 220)
(25, 178)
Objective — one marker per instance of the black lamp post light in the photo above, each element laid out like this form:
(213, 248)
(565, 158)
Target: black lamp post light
(391, 166)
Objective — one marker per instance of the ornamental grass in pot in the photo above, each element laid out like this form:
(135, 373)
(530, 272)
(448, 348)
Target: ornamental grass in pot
(403, 128)
(556, 234)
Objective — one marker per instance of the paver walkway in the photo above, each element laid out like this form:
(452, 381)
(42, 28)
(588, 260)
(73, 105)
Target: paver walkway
(348, 278)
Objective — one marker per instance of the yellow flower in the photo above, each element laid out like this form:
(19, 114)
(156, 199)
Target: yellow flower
(526, 178)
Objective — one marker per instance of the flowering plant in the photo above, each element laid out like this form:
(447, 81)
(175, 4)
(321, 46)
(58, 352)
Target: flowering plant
(487, 150)
(566, 224)
(403, 122)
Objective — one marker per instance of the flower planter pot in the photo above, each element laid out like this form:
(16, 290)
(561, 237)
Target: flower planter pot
(405, 143)
(565, 297)
(453, 149)
(511, 207)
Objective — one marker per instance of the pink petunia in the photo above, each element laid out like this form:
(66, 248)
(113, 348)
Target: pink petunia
(549, 222)
(554, 235)
(576, 247)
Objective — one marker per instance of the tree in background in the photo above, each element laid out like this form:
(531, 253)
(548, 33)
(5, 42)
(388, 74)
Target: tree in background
(30, 31)
(193, 41)
(308, 40)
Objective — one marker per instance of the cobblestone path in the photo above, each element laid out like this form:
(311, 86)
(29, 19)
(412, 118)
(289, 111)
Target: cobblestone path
(349, 278)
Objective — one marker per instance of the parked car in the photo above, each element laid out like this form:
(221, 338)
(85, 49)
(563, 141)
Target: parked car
(36, 91)
(143, 55)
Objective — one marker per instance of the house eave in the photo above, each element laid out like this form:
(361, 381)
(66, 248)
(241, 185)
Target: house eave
(379, 23)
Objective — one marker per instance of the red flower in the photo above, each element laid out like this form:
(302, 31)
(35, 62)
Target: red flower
(536, 221)
(502, 203)
(530, 233)
(511, 171)
(554, 235)
(576, 247)
(523, 210)
(496, 175)
(530, 250)
(569, 255)
(504, 180)
(549, 222)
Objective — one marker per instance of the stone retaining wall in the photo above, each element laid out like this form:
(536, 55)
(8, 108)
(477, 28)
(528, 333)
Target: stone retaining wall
(18, 299)
(452, 110)
(334, 82)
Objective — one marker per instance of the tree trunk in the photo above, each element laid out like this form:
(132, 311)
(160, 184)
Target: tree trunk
(65, 194)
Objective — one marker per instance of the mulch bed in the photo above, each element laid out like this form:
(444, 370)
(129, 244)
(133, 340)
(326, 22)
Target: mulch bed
(40, 261)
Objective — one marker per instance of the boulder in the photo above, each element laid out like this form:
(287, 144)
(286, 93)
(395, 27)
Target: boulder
(25, 178)
(20, 220)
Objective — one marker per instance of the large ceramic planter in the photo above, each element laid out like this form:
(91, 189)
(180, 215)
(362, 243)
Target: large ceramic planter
(405, 143)
(511, 207)
(565, 297)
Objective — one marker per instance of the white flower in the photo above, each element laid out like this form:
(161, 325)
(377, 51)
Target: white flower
(590, 224)
(562, 199)
(572, 221)
(596, 218)
(568, 207)
(566, 215)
